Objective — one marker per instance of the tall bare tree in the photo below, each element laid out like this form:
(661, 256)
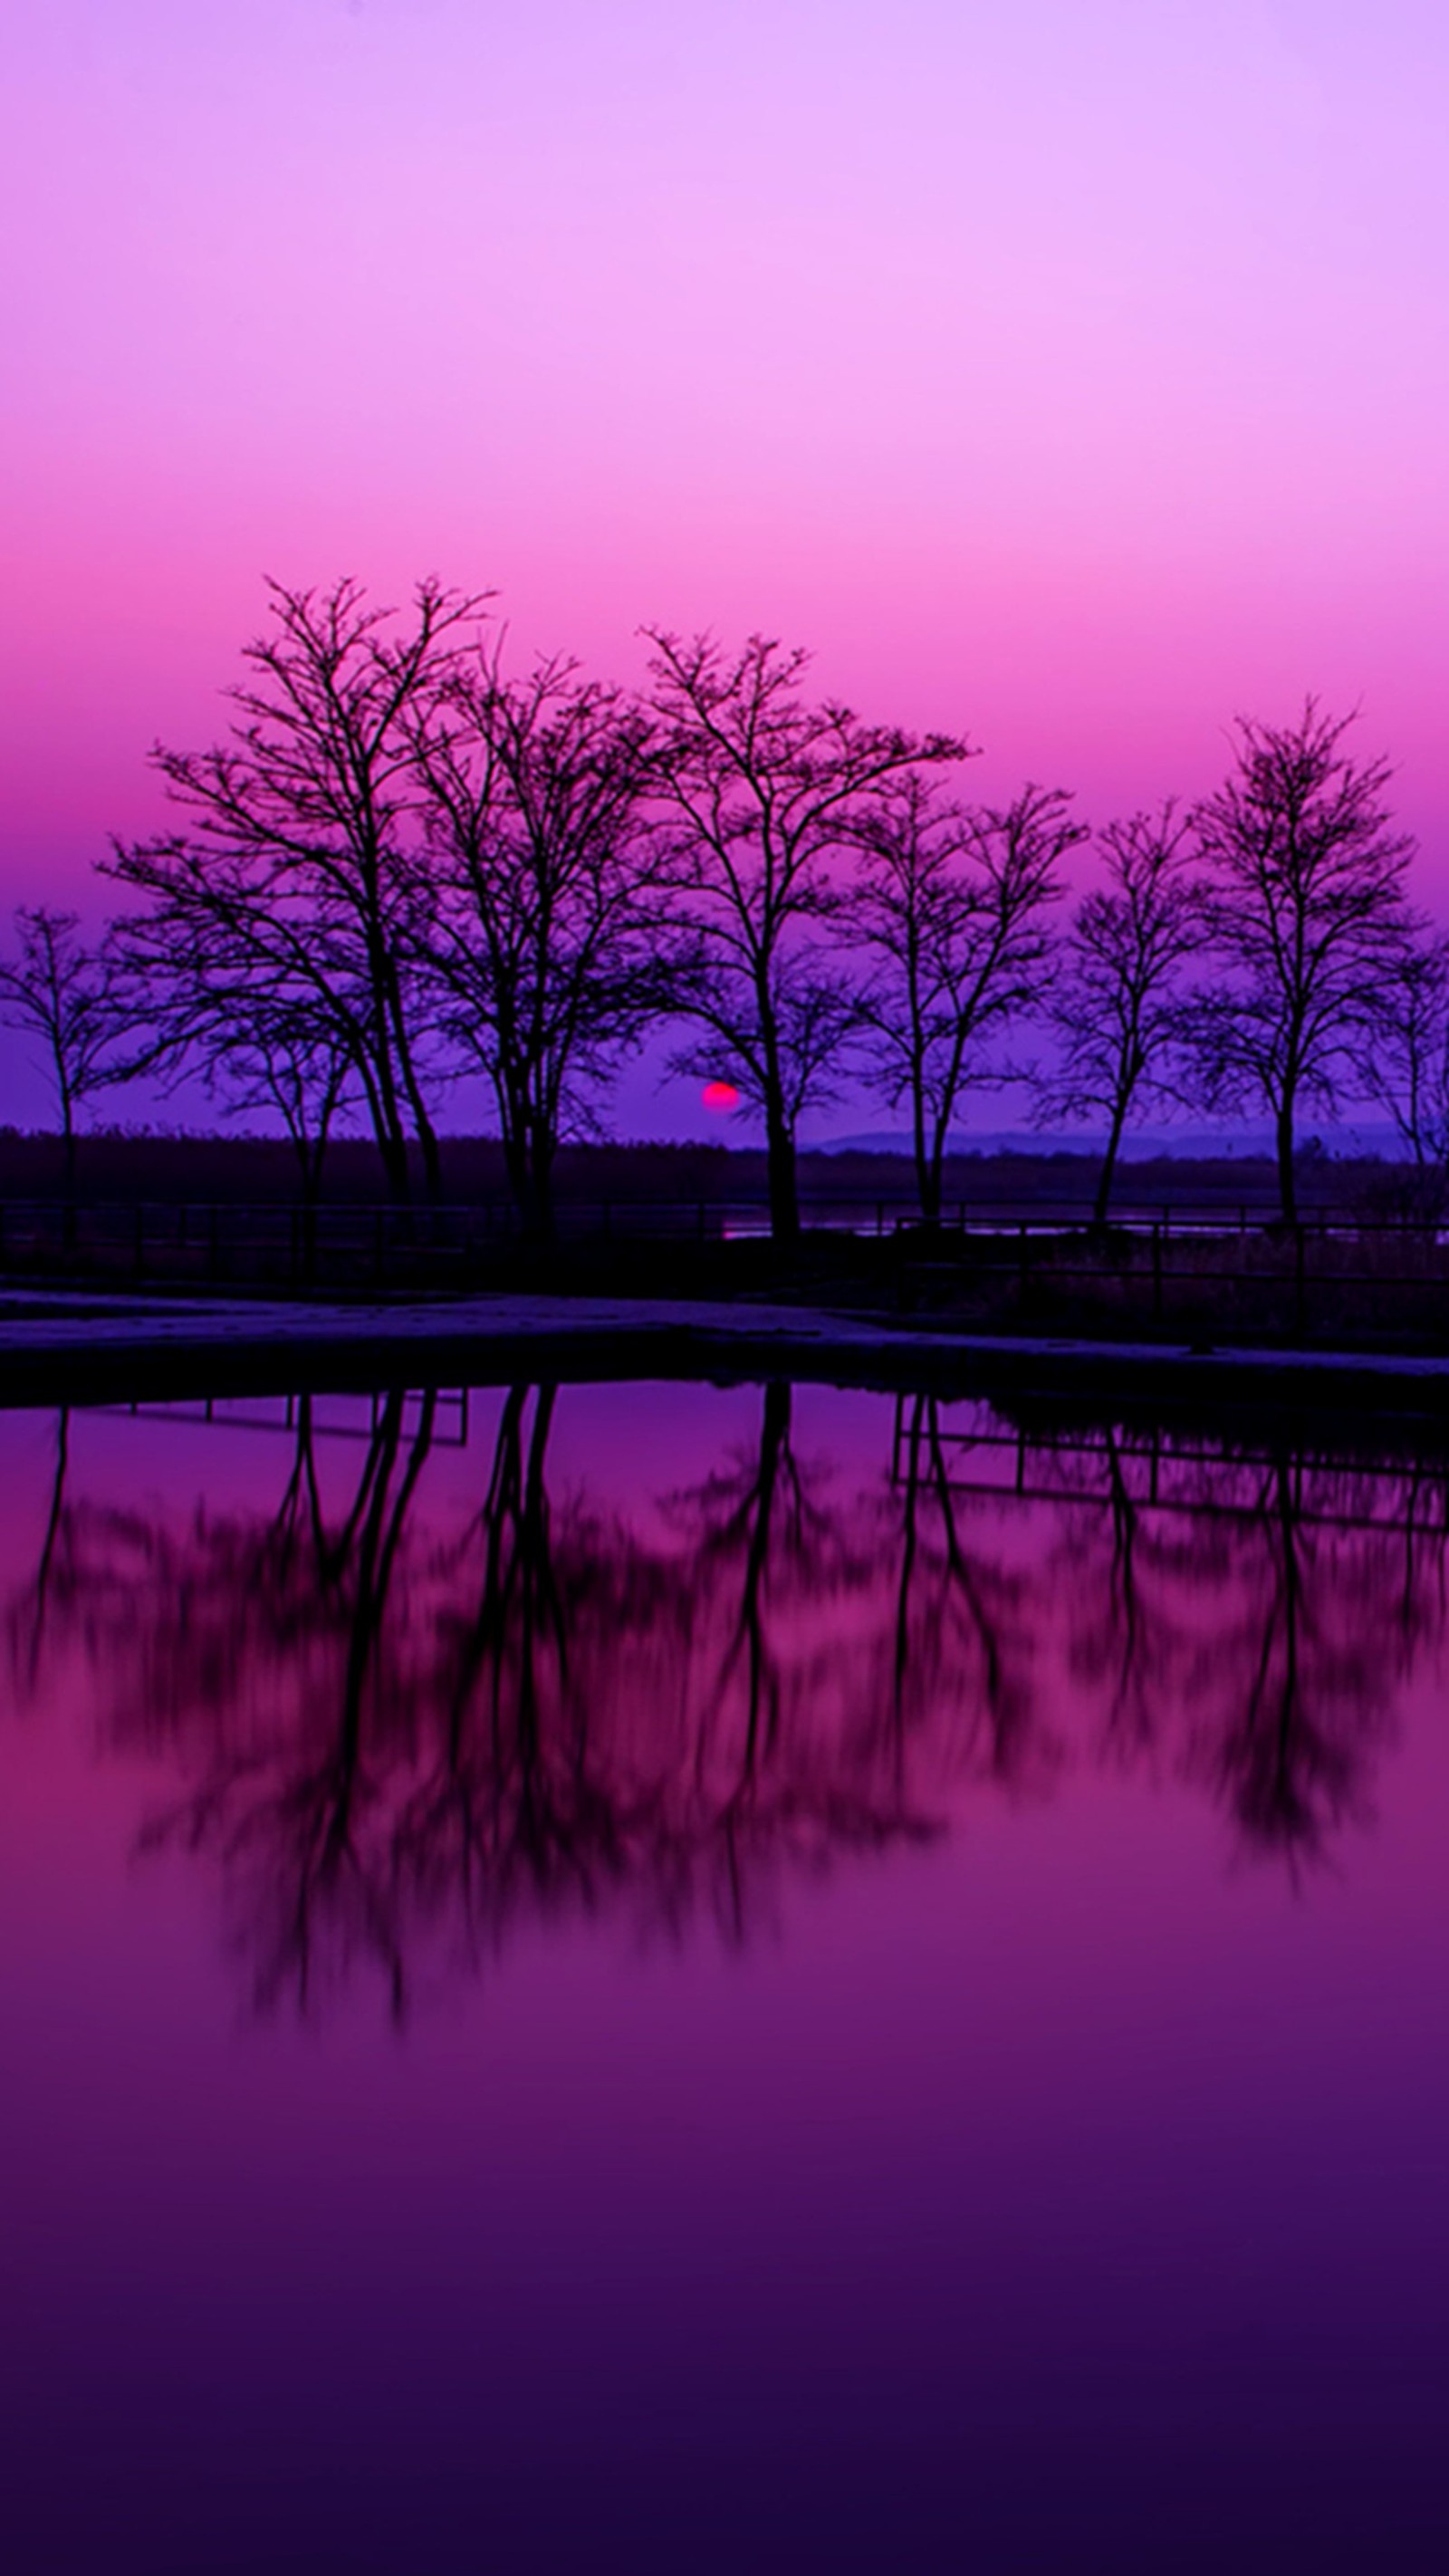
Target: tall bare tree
(292, 1064)
(219, 1007)
(298, 852)
(544, 935)
(951, 907)
(1115, 1010)
(63, 994)
(760, 791)
(1305, 907)
(1404, 1061)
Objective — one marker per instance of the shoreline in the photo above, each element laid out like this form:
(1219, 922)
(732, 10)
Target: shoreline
(69, 1349)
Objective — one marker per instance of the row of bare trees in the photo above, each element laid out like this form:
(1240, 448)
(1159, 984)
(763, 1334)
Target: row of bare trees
(407, 864)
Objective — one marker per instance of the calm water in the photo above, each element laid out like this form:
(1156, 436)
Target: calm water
(661, 1978)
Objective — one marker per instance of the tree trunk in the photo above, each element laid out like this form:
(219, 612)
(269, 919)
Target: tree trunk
(784, 1194)
(931, 1177)
(928, 1186)
(69, 1141)
(1109, 1165)
(392, 1140)
(394, 1152)
(432, 1158)
(520, 1178)
(1287, 1189)
(543, 1188)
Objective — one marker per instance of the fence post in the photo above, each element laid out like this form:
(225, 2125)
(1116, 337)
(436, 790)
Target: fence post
(1157, 1274)
(1021, 1265)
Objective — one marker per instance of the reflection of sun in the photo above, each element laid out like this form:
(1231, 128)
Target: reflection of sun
(720, 1095)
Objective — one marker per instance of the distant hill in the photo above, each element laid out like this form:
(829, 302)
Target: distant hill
(1250, 1139)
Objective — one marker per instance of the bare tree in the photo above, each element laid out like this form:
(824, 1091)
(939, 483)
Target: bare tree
(1305, 907)
(760, 790)
(294, 1065)
(814, 1012)
(548, 958)
(1404, 1061)
(64, 994)
(951, 906)
(218, 1007)
(1115, 1011)
(299, 854)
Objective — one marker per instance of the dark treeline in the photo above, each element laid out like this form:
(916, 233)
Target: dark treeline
(407, 865)
(174, 1167)
(402, 1727)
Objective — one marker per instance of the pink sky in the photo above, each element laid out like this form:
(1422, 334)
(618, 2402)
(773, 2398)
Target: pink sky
(1072, 374)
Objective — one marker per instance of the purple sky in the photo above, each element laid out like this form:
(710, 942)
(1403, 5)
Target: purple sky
(1072, 374)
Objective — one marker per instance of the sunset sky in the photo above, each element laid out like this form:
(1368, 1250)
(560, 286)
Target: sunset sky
(1069, 371)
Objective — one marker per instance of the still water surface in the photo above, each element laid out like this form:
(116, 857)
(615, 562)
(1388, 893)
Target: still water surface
(687, 1978)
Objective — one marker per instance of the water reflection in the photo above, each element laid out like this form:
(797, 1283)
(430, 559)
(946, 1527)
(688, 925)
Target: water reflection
(397, 1728)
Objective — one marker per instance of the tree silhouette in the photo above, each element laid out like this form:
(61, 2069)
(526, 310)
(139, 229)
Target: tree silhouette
(67, 996)
(951, 909)
(1305, 907)
(544, 936)
(759, 791)
(1403, 1061)
(294, 884)
(1115, 1011)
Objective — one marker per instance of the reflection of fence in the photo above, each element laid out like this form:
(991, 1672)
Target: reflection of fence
(344, 1417)
(1154, 1471)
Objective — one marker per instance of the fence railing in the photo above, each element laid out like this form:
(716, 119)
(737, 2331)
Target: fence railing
(988, 1259)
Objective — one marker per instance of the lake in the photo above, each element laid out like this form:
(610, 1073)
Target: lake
(702, 1978)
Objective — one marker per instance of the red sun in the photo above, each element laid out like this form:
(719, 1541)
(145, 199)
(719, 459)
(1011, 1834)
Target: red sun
(720, 1096)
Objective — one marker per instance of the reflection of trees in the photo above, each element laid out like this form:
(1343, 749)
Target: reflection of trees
(1268, 1606)
(963, 1635)
(1287, 1697)
(28, 1612)
(398, 1734)
(1129, 1577)
(782, 1751)
(524, 1789)
(393, 1735)
(269, 1646)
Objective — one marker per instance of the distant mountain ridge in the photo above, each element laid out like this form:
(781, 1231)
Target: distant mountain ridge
(1248, 1139)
